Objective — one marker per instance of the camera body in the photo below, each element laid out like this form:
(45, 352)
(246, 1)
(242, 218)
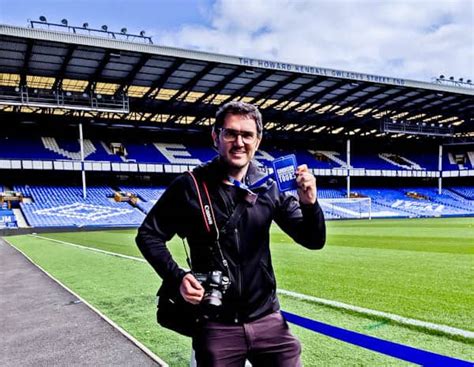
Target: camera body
(215, 285)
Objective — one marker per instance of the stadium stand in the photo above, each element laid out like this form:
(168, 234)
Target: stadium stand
(49, 148)
(417, 202)
(324, 193)
(149, 120)
(52, 206)
(63, 206)
(449, 203)
(459, 160)
(53, 149)
(395, 161)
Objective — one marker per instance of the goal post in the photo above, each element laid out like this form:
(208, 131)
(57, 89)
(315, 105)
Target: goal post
(357, 208)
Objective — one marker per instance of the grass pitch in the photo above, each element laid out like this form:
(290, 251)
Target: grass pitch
(420, 269)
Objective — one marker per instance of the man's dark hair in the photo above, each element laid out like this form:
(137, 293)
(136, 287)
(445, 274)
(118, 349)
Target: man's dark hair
(241, 109)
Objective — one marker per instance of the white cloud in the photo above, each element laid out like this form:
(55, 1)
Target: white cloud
(415, 39)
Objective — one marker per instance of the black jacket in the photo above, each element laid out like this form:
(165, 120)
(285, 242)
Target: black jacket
(252, 293)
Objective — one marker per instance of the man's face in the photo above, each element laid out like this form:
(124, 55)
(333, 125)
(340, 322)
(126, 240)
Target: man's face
(237, 140)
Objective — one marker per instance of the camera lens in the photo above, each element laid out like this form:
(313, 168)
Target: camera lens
(215, 285)
(213, 298)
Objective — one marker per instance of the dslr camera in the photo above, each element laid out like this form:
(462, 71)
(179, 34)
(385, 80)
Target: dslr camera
(215, 285)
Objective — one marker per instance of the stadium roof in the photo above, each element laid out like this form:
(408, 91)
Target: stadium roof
(166, 87)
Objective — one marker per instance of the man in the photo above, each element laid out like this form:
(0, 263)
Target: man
(248, 324)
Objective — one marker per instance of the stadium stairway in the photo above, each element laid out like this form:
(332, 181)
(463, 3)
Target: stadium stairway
(43, 324)
(20, 219)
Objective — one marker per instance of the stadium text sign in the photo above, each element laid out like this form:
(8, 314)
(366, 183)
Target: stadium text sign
(319, 71)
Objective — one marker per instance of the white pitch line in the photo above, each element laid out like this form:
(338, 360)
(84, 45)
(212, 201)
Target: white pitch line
(90, 248)
(365, 311)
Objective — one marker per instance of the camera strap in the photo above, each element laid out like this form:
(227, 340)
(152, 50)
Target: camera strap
(207, 211)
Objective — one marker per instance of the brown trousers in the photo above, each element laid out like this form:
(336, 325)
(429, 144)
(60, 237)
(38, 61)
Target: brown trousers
(264, 342)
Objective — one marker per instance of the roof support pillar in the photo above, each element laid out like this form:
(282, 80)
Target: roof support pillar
(440, 169)
(348, 176)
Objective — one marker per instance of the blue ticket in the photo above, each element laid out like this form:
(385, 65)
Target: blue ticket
(284, 170)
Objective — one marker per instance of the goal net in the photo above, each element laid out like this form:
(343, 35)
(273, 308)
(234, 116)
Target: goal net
(342, 208)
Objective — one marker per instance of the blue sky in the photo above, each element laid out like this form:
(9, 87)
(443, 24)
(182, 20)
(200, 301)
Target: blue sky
(413, 39)
(135, 15)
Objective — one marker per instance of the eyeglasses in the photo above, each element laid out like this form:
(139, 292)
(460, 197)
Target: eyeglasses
(231, 135)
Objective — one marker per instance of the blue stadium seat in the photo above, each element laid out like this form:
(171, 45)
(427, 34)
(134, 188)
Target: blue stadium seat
(58, 206)
(53, 206)
(465, 192)
(48, 148)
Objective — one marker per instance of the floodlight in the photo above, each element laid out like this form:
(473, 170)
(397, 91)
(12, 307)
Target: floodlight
(461, 79)
(451, 78)
(85, 25)
(142, 33)
(43, 18)
(105, 28)
(469, 81)
(64, 21)
(441, 76)
(123, 30)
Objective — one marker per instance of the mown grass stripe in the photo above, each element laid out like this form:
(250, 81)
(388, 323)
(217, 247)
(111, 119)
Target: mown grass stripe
(448, 330)
(90, 248)
(366, 311)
